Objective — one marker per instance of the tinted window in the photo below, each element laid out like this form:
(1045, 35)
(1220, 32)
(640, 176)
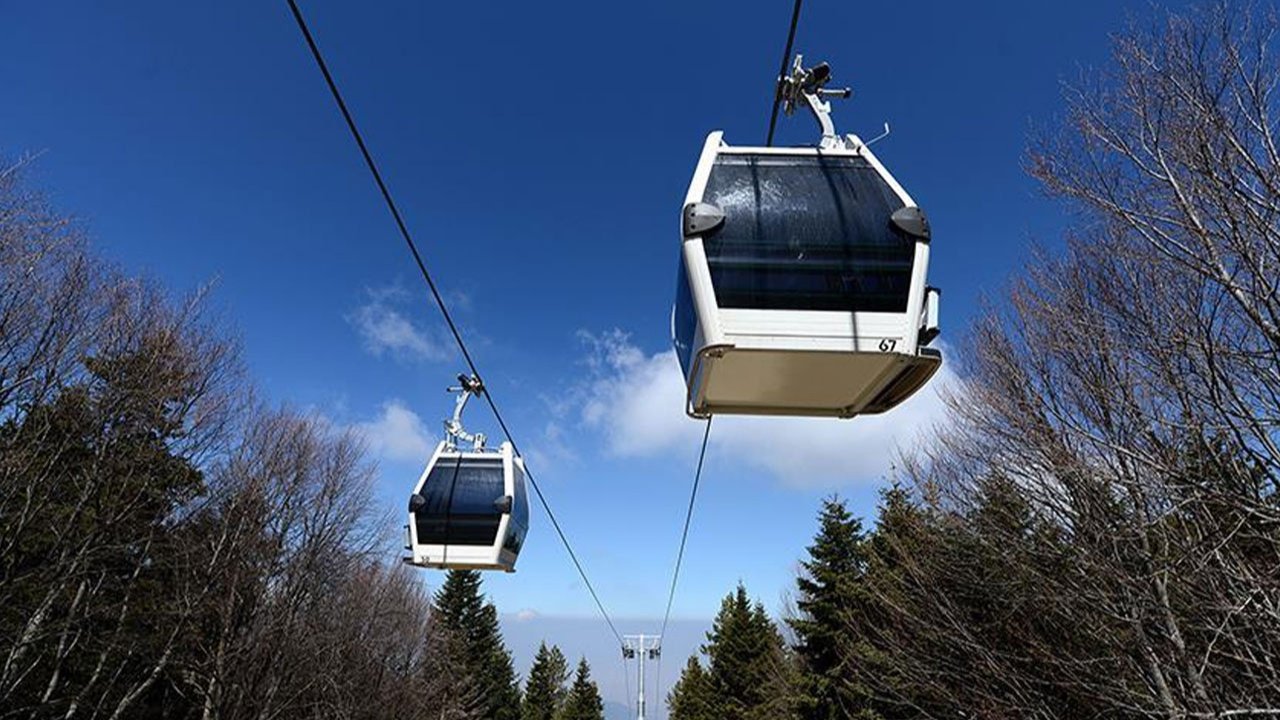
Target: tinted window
(686, 320)
(520, 503)
(519, 524)
(806, 233)
(461, 511)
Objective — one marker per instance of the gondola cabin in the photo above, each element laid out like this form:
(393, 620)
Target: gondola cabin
(802, 282)
(469, 510)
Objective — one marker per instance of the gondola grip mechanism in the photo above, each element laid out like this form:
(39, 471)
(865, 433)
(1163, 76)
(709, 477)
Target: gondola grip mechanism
(453, 430)
(807, 84)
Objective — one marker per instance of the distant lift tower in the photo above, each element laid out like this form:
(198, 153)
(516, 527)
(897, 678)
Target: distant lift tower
(640, 648)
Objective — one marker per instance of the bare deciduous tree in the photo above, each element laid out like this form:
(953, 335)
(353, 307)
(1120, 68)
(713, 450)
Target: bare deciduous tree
(1098, 531)
(167, 546)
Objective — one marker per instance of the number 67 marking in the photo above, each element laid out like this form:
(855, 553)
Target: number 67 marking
(888, 344)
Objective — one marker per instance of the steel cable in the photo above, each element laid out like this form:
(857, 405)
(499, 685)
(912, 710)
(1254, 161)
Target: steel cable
(435, 293)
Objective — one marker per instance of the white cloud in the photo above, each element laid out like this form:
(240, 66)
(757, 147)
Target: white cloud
(552, 448)
(385, 330)
(526, 615)
(397, 434)
(637, 401)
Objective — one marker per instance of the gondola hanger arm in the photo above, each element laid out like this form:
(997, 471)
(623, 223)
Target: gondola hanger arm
(453, 430)
(808, 85)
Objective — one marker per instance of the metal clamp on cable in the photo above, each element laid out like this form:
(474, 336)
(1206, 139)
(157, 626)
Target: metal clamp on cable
(808, 85)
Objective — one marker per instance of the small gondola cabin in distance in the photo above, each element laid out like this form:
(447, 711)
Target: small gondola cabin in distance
(802, 286)
(469, 509)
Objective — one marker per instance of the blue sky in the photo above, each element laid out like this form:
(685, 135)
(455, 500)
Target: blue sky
(540, 153)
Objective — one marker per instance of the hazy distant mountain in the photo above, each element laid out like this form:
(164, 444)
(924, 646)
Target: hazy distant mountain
(617, 711)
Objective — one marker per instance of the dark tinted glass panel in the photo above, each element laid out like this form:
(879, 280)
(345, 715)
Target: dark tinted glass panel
(686, 320)
(514, 540)
(806, 233)
(519, 524)
(468, 517)
(520, 504)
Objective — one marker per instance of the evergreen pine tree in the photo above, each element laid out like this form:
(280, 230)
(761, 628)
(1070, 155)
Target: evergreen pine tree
(472, 625)
(690, 697)
(584, 701)
(544, 691)
(749, 671)
(905, 540)
(827, 591)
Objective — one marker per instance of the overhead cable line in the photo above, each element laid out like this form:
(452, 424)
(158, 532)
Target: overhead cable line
(684, 534)
(706, 434)
(684, 537)
(435, 293)
(782, 71)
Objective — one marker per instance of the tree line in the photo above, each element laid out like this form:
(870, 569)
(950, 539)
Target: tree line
(172, 547)
(1095, 532)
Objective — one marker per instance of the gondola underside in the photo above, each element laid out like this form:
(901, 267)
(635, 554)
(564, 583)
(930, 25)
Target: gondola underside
(755, 381)
(458, 565)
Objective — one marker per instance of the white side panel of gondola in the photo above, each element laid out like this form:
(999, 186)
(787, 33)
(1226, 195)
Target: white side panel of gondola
(417, 490)
(419, 553)
(920, 266)
(695, 254)
(707, 331)
(503, 558)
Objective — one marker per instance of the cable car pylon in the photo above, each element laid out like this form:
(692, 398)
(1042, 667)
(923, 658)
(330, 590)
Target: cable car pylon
(640, 648)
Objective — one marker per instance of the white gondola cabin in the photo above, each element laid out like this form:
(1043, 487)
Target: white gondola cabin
(469, 509)
(802, 280)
